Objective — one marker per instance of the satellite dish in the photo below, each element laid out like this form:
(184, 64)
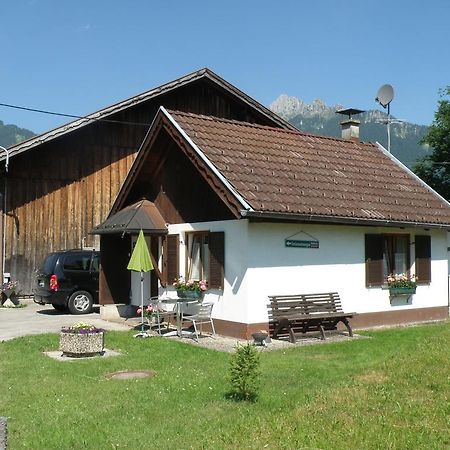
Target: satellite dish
(385, 95)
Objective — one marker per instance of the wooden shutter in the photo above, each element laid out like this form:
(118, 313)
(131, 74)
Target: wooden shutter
(216, 247)
(423, 259)
(374, 260)
(171, 259)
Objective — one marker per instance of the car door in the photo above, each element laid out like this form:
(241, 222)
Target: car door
(77, 274)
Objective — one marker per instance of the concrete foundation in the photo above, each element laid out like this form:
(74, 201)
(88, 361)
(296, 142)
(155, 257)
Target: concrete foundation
(117, 311)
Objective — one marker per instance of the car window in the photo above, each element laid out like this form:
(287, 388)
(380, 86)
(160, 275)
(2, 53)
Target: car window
(77, 261)
(95, 263)
(48, 266)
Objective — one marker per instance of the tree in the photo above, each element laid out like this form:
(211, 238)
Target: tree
(434, 169)
(243, 373)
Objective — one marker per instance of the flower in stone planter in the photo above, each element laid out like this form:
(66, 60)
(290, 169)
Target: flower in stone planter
(149, 310)
(82, 328)
(10, 286)
(402, 281)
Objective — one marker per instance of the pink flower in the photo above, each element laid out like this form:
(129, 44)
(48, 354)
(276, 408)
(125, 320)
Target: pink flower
(139, 310)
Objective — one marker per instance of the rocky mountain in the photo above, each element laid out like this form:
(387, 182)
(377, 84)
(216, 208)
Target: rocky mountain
(12, 134)
(319, 118)
(315, 117)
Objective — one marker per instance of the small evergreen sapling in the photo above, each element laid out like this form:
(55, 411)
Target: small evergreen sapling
(243, 373)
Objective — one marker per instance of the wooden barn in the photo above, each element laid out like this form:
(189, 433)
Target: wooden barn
(62, 183)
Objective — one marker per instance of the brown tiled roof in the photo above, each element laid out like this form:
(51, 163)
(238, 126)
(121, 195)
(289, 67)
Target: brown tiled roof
(287, 172)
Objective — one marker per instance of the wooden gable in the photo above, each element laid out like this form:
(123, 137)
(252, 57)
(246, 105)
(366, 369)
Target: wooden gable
(64, 182)
(169, 173)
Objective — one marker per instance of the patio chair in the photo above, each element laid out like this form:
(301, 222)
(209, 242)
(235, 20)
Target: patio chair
(202, 316)
(162, 311)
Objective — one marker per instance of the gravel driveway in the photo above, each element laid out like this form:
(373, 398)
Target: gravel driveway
(38, 319)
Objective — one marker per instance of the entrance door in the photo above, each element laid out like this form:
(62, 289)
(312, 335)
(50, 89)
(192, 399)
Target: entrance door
(136, 279)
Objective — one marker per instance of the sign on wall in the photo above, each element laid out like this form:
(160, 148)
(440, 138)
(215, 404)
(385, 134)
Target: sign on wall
(301, 243)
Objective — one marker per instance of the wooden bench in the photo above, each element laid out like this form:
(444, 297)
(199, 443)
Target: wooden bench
(306, 312)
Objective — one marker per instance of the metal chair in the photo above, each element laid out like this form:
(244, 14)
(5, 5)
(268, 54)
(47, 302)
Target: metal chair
(161, 311)
(202, 316)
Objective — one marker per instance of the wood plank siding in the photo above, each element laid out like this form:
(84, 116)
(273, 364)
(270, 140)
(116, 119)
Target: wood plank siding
(56, 195)
(60, 189)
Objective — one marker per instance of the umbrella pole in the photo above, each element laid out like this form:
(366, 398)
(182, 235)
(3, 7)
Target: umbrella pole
(142, 303)
(142, 333)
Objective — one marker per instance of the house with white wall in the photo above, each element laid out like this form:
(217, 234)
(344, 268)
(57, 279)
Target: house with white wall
(258, 210)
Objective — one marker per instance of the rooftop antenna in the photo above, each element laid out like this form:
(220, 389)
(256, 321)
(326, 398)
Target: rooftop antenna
(384, 97)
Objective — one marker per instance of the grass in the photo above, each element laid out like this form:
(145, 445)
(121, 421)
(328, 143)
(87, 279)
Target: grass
(388, 392)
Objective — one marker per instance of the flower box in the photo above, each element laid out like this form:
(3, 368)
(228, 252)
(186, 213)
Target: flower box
(194, 295)
(393, 291)
(81, 345)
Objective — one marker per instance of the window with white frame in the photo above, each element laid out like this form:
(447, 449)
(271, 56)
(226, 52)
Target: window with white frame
(395, 254)
(205, 257)
(197, 252)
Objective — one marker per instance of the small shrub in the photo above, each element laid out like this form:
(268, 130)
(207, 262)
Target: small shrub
(243, 373)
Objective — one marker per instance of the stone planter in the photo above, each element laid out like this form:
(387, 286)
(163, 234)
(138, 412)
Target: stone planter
(8, 298)
(81, 345)
(194, 295)
(394, 291)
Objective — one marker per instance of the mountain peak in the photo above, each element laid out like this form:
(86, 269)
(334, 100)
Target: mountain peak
(319, 118)
(288, 107)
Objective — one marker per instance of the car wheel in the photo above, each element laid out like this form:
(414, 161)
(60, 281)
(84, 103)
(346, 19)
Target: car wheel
(62, 308)
(80, 302)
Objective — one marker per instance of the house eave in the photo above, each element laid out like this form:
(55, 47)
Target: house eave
(265, 216)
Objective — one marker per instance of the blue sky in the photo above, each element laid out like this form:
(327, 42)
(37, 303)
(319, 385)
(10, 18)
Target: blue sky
(79, 56)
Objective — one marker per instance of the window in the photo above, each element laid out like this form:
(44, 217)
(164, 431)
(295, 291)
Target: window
(395, 255)
(197, 260)
(77, 262)
(95, 263)
(205, 258)
(390, 254)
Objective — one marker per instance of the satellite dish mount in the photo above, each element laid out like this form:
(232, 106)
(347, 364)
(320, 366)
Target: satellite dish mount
(384, 97)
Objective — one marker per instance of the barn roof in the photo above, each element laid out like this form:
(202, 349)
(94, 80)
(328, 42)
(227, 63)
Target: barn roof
(137, 99)
(289, 175)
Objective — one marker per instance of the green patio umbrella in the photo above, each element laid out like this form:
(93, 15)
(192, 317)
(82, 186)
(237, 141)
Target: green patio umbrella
(140, 261)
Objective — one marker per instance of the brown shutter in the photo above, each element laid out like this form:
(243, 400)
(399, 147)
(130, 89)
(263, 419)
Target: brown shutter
(374, 260)
(171, 260)
(423, 259)
(216, 260)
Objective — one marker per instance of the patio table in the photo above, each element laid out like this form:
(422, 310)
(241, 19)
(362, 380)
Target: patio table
(179, 302)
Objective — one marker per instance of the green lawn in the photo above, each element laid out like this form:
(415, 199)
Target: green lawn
(389, 391)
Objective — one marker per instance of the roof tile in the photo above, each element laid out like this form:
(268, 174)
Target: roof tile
(283, 171)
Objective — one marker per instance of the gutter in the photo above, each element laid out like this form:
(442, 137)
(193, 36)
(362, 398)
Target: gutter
(324, 219)
(210, 165)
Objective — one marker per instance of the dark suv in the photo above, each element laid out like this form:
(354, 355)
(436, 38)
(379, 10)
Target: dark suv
(69, 281)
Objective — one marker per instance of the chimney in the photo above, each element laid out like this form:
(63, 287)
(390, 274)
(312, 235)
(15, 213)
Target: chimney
(350, 126)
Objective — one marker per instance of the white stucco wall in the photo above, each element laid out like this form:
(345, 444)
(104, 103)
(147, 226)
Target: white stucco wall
(337, 265)
(258, 264)
(231, 302)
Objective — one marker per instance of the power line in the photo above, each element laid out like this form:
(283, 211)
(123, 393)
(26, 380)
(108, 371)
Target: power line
(72, 116)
